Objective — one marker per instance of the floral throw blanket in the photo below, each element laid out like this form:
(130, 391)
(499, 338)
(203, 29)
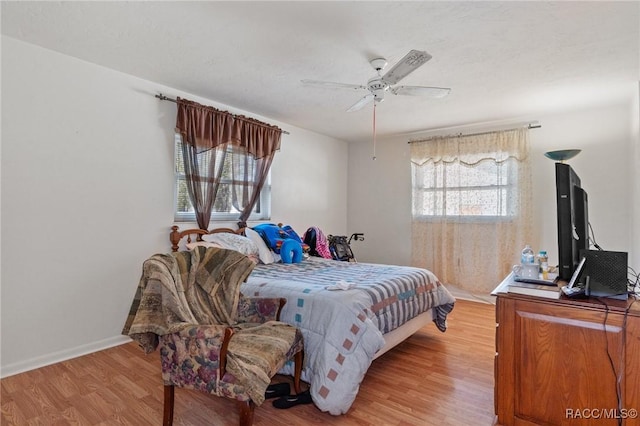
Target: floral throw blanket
(202, 287)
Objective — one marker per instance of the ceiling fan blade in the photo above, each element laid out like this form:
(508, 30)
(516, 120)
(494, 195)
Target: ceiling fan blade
(361, 103)
(432, 92)
(412, 61)
(331, 84)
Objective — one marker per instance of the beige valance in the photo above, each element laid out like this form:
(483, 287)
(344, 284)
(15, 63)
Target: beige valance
(472, 149)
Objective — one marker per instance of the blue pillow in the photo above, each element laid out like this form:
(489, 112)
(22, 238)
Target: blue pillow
(272, 234)
(291, 251)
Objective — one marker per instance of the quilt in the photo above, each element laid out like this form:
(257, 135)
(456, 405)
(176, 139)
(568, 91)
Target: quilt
(342, 310)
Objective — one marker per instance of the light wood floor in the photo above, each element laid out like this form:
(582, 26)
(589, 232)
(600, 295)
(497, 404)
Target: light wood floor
(432, 378)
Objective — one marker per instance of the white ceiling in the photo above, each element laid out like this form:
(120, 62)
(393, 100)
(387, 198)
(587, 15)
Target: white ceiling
(503, 60)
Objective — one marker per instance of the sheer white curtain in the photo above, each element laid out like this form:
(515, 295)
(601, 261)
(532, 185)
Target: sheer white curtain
(471, 206)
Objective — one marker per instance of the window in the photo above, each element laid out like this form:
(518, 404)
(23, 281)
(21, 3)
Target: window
(472, 209)
(223, 209)
(483, 190)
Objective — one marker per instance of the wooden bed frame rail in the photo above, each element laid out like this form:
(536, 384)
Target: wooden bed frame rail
(195, 234)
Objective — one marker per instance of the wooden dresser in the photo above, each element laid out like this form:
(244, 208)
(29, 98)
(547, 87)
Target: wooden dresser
(557, 364)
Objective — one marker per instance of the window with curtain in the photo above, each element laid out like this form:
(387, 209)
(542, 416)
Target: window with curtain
(486, 190)
(223, 206)
(223, 154)
(471, 206)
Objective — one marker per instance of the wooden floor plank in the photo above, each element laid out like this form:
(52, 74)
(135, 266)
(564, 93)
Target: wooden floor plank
(432, 378)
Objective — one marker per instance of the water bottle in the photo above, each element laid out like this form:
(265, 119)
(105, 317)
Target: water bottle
(528, 257)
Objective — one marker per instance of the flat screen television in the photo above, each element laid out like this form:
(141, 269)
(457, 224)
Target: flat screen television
(573, 220)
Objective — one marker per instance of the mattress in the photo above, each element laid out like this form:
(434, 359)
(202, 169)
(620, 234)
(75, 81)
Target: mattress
(343, 329)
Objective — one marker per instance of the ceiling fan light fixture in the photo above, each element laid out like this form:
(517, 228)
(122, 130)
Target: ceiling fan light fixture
(378, 85)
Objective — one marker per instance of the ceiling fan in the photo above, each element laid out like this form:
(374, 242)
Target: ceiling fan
(381, 84)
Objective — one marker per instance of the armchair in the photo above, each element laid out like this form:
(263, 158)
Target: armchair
(210, 337)
(196, 358)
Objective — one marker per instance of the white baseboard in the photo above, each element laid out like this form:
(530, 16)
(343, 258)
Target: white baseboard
(55, 357)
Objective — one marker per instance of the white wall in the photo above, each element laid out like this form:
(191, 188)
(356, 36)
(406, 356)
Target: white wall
(603, 135)
(87, 195)
(380, 196)
(380, 201)
(635, 174)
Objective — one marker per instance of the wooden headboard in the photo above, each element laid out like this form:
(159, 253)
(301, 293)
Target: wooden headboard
(176, 235)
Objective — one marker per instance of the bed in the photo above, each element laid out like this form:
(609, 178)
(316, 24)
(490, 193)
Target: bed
(344, 330)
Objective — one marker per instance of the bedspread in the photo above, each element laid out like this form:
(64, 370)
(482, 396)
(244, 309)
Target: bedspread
(343, 328)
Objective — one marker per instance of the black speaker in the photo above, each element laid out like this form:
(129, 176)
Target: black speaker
(605, 273)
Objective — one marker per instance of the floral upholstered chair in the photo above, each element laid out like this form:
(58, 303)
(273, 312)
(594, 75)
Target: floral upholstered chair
(196, 358)
(211, 338)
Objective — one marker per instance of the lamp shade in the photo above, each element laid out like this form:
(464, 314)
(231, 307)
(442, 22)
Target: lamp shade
(562, 155)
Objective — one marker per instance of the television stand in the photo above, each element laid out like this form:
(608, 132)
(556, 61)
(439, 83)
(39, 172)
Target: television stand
(554, 359)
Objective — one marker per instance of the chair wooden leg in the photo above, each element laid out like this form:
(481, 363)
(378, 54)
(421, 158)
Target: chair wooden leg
(167, 419)
(298, 360)
(246, 412)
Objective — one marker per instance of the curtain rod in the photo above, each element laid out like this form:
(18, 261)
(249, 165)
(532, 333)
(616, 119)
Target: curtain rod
(460, 135)
(164, 98)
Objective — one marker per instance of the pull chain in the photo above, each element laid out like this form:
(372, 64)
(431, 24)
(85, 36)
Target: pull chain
(374, 129)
